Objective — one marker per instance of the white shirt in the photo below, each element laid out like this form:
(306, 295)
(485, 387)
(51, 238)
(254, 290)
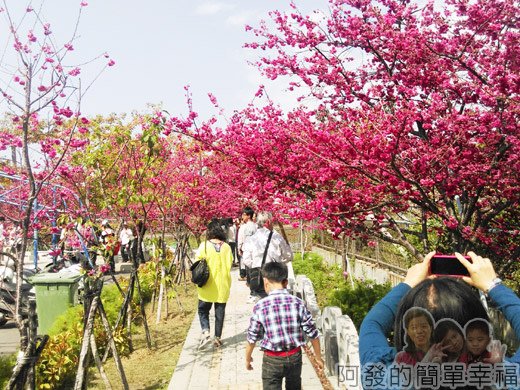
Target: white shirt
(245, 230)
(254, 247)
(125, 236)
(105, 233)
(231, 232)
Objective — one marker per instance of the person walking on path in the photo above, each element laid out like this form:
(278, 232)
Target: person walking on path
(280, 322)
(258, 247)
(216, 290)
(126, 236)
(247, 229)
(231, 232)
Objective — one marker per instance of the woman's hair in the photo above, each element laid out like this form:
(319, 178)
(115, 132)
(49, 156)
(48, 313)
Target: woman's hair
(227, 222)
(214, 230)
(443, 298)
(263, 217)
(415, 312)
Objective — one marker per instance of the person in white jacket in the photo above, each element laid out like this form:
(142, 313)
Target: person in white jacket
(254, 247)
(247, 229)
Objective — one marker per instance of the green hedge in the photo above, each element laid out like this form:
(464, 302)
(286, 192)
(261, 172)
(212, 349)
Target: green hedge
(7, 363)
(333, 289)
(356, 301)
(325, 279)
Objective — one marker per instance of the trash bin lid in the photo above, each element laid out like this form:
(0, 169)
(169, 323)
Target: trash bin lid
(55, 278)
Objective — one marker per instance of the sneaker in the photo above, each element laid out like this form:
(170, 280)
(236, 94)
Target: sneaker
(252, 299)
(204, 340)
(217, 343)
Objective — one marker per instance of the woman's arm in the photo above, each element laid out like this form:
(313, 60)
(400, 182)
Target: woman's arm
(373, 343)
(509, 304)
(482, 276)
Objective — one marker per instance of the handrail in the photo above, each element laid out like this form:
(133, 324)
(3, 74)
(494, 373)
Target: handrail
(391, 267)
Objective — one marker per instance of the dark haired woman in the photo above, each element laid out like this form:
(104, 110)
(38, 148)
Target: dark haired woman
(443, 297)
(216, 290)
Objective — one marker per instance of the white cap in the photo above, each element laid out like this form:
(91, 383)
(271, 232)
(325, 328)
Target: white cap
(104, 222)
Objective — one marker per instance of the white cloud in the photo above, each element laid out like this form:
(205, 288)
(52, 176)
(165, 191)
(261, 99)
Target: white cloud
(241, 18)
(211, 7)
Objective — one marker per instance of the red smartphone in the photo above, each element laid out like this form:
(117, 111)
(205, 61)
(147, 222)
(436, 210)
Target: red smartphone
(448, 265)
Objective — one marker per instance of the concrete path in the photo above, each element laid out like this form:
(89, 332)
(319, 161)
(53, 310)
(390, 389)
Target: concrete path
(224, 368)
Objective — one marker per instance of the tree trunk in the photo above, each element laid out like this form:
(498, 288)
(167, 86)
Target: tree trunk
(143, 313)
(161, 294)
(95, 355)
(81, 376)
(113, 347)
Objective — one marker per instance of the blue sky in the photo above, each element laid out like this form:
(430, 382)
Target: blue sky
(162, 45)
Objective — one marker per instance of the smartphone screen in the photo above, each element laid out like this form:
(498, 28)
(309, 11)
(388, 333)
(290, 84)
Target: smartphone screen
(447, 265)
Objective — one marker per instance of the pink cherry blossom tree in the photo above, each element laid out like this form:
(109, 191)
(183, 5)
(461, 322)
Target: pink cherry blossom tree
(407, 129)
(40, 89)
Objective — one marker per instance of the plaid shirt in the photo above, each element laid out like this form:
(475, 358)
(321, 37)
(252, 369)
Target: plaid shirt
(280, 320)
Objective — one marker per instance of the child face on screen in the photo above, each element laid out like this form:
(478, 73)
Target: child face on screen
(454, 341)
(476, 341)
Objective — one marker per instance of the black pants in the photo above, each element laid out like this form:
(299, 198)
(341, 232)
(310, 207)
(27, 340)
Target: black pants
(275, 368)
(243, 272)
(125, 252)
(220, 312)
(233, 246)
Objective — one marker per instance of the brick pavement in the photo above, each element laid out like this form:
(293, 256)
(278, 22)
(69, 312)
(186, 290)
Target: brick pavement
(224, 368)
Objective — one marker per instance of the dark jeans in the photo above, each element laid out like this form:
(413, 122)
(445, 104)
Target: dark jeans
(243, 272)
(233, 246)
(125, 252)
(220, 312)
(275, 368)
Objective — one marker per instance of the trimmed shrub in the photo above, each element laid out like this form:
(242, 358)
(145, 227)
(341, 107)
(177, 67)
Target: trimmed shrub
(332, 289)
(7, 363)
(358, 300)
(147, 275)
(325, 279)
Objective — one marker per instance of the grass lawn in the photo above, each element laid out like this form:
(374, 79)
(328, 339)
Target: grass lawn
(153, 369)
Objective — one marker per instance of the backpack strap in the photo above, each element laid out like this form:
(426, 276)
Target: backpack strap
(267, 247)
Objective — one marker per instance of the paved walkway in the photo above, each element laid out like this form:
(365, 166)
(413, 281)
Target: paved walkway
(224, 368)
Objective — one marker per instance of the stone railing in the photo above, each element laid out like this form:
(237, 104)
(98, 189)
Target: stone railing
(339, 338)
(362, 266)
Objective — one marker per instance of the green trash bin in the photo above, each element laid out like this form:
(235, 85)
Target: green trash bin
(55, 293)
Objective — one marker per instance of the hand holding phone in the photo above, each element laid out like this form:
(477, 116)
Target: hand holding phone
(482, 273)
(448, 265)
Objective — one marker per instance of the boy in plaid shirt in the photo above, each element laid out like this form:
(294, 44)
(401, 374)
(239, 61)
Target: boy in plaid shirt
(280, 321)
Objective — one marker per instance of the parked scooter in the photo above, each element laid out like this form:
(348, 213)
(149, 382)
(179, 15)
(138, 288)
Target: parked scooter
(8, 292)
